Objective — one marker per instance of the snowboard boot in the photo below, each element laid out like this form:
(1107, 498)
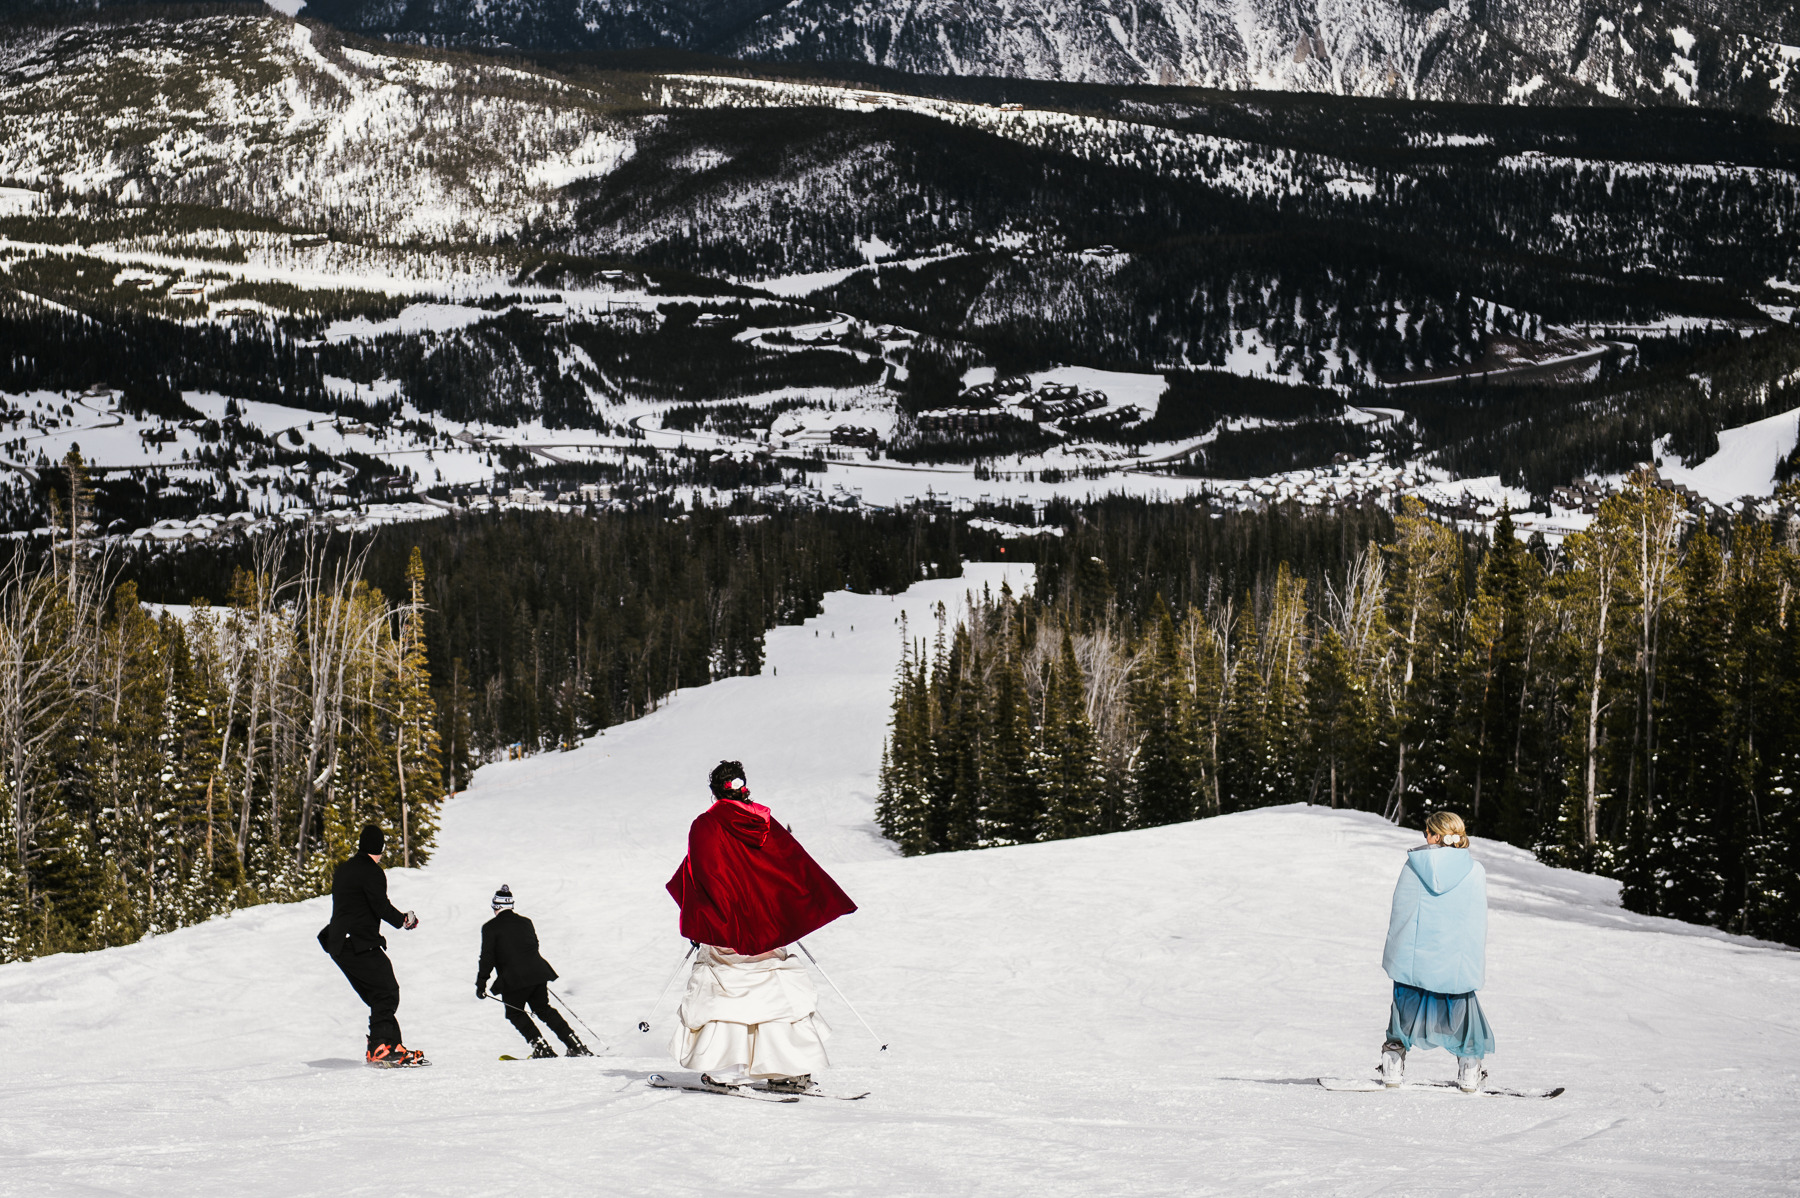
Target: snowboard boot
(791, 1085)
(576, 1048)
(540, 1050)
(1469, 1074)
(412, 1056)
(1393, 1065)
(386, 1056)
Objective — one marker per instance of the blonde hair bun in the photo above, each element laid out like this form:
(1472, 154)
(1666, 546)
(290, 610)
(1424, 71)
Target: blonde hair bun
(1448, 827)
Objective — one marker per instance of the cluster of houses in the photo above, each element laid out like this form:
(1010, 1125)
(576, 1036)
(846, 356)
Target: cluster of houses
(582, 494)
(1584, 496)
(989, 405)
(963, 420)
(857, 436)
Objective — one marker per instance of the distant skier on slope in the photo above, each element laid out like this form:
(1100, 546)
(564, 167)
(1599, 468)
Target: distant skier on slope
(359, 902)
(1436, 954)
(509, 950)
(747, 890)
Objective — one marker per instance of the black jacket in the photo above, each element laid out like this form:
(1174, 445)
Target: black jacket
(509, 948)
(359, 903)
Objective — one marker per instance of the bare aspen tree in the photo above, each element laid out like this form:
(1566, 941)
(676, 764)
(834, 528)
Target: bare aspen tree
(1598, 556)
(333, 628)
(46, 628)
(1655, 521)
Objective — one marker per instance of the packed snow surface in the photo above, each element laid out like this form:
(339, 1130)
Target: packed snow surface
(1746, 461)
(1132, 1014)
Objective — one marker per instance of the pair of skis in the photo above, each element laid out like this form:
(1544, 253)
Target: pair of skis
(657, 1081)
(1371, 1085)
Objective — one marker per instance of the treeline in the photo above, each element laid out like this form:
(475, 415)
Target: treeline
(545, 629)
(175, 768)
(150, 360)
(1628, 703)
(158, 770)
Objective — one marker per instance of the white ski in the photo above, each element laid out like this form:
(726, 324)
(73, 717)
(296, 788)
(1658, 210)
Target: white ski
(659, 1082)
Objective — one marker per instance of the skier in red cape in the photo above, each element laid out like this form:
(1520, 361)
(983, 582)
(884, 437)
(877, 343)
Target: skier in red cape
(747, 890)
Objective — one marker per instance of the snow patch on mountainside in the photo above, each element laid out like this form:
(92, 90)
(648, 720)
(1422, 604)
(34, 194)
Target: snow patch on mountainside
(1745, 463)
(1240, 166)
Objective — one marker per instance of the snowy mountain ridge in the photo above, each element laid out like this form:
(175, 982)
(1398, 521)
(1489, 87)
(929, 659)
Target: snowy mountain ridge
(1738, 55)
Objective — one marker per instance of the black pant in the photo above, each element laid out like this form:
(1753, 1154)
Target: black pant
(538, 999)
(373, 976)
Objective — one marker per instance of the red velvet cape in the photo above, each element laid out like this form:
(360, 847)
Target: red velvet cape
(746, 884)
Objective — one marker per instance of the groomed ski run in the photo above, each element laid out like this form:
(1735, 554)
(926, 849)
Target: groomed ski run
(1143, 1014)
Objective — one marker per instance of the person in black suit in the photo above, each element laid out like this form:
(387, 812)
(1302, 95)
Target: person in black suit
(359, 904)
(509, 950)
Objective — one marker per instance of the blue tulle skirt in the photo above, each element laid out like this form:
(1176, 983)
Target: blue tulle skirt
(1421, 1019)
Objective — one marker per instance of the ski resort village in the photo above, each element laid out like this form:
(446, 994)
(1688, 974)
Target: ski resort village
(1201, 600)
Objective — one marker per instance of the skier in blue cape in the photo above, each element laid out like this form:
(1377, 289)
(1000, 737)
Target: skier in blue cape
(1436, 954)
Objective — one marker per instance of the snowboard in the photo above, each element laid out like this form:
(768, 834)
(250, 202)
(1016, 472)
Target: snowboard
(1373, 1085)
(419, 1064)
(657, 1081)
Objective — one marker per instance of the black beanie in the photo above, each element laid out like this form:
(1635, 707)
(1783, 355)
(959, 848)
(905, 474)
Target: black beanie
(372, 840)
(722, 773)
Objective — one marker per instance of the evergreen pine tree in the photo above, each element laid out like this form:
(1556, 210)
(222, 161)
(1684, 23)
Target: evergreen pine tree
(1284, 780)
(1015, 807)
(1070, 770)
(1244, 739)
(1160, 766)
(1337, 703)
(1498, 729)
(413, 712)
(905, 796)
(1684, 849)
(966, 736)
(187, 808)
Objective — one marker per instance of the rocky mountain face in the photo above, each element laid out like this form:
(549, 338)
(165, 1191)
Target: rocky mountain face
(1739, 54)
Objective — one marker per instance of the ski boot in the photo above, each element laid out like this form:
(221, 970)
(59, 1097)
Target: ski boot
(790, 1085)
(1469, 1074)
(576, 1048)
(540, 1050)
(1393, 1065)
(713, 1083)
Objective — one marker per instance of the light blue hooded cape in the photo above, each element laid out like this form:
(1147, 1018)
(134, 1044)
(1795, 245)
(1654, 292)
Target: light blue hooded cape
(1437, 934)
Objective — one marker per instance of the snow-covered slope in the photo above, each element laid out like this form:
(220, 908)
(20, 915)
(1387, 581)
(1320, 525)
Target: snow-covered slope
(1133, 1014)
(273, 117)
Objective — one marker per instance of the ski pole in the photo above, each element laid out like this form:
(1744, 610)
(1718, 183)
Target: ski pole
(527, 1014)
(839, 993)
(578, 1019)
(693, 945)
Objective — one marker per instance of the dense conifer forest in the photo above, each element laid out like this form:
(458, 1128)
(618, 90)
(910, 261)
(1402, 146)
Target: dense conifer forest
(1628, 703)
(160, 770)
